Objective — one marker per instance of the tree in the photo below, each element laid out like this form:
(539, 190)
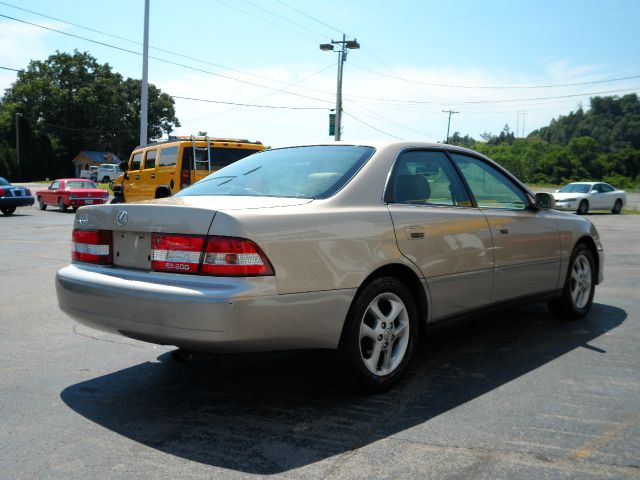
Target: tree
(70, 103)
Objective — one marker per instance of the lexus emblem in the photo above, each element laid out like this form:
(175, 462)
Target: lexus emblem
(122, 218)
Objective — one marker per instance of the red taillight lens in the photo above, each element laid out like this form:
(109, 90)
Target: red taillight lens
(92, 246)
(226, 256)
(176, 253)
(185, 178)
(3, 191)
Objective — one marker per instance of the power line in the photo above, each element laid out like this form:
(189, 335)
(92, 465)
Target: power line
(495, 87)
(283, 18)
(12, 69)
(264, 19)
(248, 104)
(313, 18)
(162, 59)
(371, 126)
(170, 52)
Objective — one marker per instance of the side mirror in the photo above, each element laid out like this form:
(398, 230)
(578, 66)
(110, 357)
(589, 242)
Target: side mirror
(545, 201)
(124, 166)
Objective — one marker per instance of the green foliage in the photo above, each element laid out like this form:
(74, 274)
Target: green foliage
(601, 143)
(70, 103)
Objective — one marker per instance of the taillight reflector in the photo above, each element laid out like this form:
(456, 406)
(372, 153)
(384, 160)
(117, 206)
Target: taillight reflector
(227, 256)
(92, 246)
(176, 253)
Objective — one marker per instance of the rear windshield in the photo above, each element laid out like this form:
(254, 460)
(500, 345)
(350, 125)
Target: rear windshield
(4, 182)
(81, 184)
(300, 172)
(575, 188)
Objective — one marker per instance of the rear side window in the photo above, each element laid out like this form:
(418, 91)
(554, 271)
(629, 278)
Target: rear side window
(301, 172)
(221, 157)
(135, 162)
(150, 159)
(426, 178)
(168, 156)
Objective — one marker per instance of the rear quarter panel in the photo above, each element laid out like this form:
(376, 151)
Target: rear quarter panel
(316, 247)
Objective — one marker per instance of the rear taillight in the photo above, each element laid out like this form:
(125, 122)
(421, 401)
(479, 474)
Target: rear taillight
(92, 246)
(226, 256)
(219, 256)
(176, 253)
(185, 179)
(3, 191)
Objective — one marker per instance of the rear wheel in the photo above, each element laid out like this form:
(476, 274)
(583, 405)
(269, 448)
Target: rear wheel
(579, 286)
(380, 334)
(41, 204)
(617, 207)
(7, 210)
(61, 206)
(583, 208)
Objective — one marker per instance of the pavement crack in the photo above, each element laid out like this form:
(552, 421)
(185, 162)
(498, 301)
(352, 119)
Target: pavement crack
(75, 330)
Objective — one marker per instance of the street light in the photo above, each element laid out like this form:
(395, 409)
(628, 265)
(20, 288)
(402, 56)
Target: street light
(344, 46)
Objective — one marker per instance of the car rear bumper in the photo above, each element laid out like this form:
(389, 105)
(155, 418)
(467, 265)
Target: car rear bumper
(208, 314)
(79, 202)
(16, 201)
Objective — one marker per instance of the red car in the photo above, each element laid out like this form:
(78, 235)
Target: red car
(71, 192)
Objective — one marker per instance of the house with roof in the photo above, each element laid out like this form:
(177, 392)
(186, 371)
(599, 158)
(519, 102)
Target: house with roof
(88, 158)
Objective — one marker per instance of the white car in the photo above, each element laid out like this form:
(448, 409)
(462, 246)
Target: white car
(584, 196)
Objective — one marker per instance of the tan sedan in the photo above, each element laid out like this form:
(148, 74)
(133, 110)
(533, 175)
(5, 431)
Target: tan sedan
(341, 246)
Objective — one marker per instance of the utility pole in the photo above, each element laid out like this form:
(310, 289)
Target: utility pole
(524, 114)
(450, 112)
(19, 173)
(144, 96)
(345, 45)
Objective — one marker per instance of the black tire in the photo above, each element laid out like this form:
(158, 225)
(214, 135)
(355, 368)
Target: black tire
(583, 208)
(579, 286)
(377, 361)
(105, 179)
(61, 206)
(7, 210)
(617, 207)
(75, 209)
(41, 204)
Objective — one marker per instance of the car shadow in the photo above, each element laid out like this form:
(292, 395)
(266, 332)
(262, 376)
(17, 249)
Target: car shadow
(270, 413)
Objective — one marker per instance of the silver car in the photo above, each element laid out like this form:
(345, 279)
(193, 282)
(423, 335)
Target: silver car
(343, 246)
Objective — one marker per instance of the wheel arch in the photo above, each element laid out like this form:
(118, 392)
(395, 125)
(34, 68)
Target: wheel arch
(591, 245)
(162, 191)
(409, 278)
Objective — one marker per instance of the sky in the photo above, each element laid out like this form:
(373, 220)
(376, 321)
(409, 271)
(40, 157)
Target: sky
(495, 63)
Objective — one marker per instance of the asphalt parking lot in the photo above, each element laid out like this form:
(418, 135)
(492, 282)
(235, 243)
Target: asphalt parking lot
(513, 395)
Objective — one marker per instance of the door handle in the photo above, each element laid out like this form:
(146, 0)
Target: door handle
(137, 177)
(414, 233)
(153, 175)
(505, 230)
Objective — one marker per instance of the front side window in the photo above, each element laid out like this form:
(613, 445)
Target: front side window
(490, 187)
(426, 178)
(135, 162)
(150, 159)
(300, 172)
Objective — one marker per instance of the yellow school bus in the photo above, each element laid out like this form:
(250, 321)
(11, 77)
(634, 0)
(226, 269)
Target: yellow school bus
(161, 169)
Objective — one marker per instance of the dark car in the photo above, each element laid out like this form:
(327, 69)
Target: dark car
(12, 197)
